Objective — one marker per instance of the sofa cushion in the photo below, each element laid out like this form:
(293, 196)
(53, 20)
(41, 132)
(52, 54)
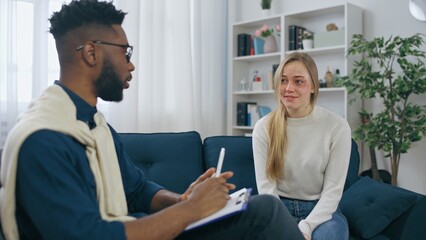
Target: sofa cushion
(370, 206)
(173, 160)
(238, 159)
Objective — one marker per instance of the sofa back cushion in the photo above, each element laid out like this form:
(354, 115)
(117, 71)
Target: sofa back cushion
(173, 160)
(238, 159)
(353, 170)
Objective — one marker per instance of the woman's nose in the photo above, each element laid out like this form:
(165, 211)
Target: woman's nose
(289, 87)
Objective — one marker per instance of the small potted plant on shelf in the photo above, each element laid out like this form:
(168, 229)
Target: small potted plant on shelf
(307, 40)
(266, 7)
(391, 70)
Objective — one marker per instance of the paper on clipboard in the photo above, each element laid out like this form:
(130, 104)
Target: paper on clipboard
(237, 203)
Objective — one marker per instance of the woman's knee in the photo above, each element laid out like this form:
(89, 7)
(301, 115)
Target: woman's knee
(335, 228)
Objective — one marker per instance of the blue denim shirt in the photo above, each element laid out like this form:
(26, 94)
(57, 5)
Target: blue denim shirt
(56, 190)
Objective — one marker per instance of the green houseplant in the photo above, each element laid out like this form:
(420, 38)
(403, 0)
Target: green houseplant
(391, 70)
(265, 4)
(307, 40)
(307, 35)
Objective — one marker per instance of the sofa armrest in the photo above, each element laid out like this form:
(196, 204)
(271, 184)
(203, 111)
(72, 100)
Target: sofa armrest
(172, 160)
(410, 225)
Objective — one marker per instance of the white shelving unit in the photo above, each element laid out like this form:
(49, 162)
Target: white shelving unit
(346, 16)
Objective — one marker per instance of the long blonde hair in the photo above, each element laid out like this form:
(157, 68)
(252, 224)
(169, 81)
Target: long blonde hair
(277, 129)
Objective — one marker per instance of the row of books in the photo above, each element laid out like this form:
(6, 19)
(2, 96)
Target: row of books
(249, 45)
(248, 113)
(295, 37)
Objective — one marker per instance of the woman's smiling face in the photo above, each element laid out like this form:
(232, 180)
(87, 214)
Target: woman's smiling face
(296, 89)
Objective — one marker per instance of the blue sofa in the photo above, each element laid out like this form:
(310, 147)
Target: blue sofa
(374, 210)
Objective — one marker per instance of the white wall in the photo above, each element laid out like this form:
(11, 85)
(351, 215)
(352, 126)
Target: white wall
(381, 18)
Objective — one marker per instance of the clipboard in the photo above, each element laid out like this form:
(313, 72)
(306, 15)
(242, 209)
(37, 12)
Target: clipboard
(237, 203)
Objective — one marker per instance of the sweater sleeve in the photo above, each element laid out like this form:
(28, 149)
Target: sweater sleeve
(334, 178)
(260, 154)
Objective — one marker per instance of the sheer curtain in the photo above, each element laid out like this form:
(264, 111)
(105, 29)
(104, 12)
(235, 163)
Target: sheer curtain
(180, 56)
(28, 60)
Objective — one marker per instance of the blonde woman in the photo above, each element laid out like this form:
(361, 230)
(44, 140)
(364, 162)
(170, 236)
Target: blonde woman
(301, 151)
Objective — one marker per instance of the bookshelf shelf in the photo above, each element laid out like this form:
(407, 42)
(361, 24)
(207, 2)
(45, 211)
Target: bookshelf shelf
(243, 127)
(253, 92)
(347, 17)
(253, 58)
(323, 50)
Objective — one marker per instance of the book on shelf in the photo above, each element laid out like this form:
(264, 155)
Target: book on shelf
(271, 77)
(274, 68)
(252, 114)
(251, 46)
(240, 45)
(248, 113)
(243, 113)
(270, 81)
(243, 44)
(295, 34)
(291, 31)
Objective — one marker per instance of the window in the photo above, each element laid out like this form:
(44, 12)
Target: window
(28, 58)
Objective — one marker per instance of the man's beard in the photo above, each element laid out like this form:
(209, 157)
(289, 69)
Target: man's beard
(109, 86)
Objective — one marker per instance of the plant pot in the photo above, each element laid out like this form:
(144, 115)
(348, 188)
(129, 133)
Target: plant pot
(308, 44)
(266, 12)
(385, 176)
(270, 45)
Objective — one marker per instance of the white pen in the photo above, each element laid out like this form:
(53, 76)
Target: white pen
(220, 162)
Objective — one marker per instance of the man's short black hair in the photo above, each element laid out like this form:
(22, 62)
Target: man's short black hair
(84, 12)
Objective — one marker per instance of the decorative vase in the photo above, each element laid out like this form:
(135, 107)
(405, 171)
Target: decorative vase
(278, 40)
(307, 44)
(270, 45)
(259, 44)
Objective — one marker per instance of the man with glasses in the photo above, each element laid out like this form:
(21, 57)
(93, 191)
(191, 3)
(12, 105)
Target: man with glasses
(65, 174)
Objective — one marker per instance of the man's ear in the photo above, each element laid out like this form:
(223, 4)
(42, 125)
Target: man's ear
(89, 53)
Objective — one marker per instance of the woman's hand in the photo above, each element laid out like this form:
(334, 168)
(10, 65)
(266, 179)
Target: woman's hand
(306, 237)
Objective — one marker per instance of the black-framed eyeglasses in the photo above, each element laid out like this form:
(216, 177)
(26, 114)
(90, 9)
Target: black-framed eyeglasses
(129, 49)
